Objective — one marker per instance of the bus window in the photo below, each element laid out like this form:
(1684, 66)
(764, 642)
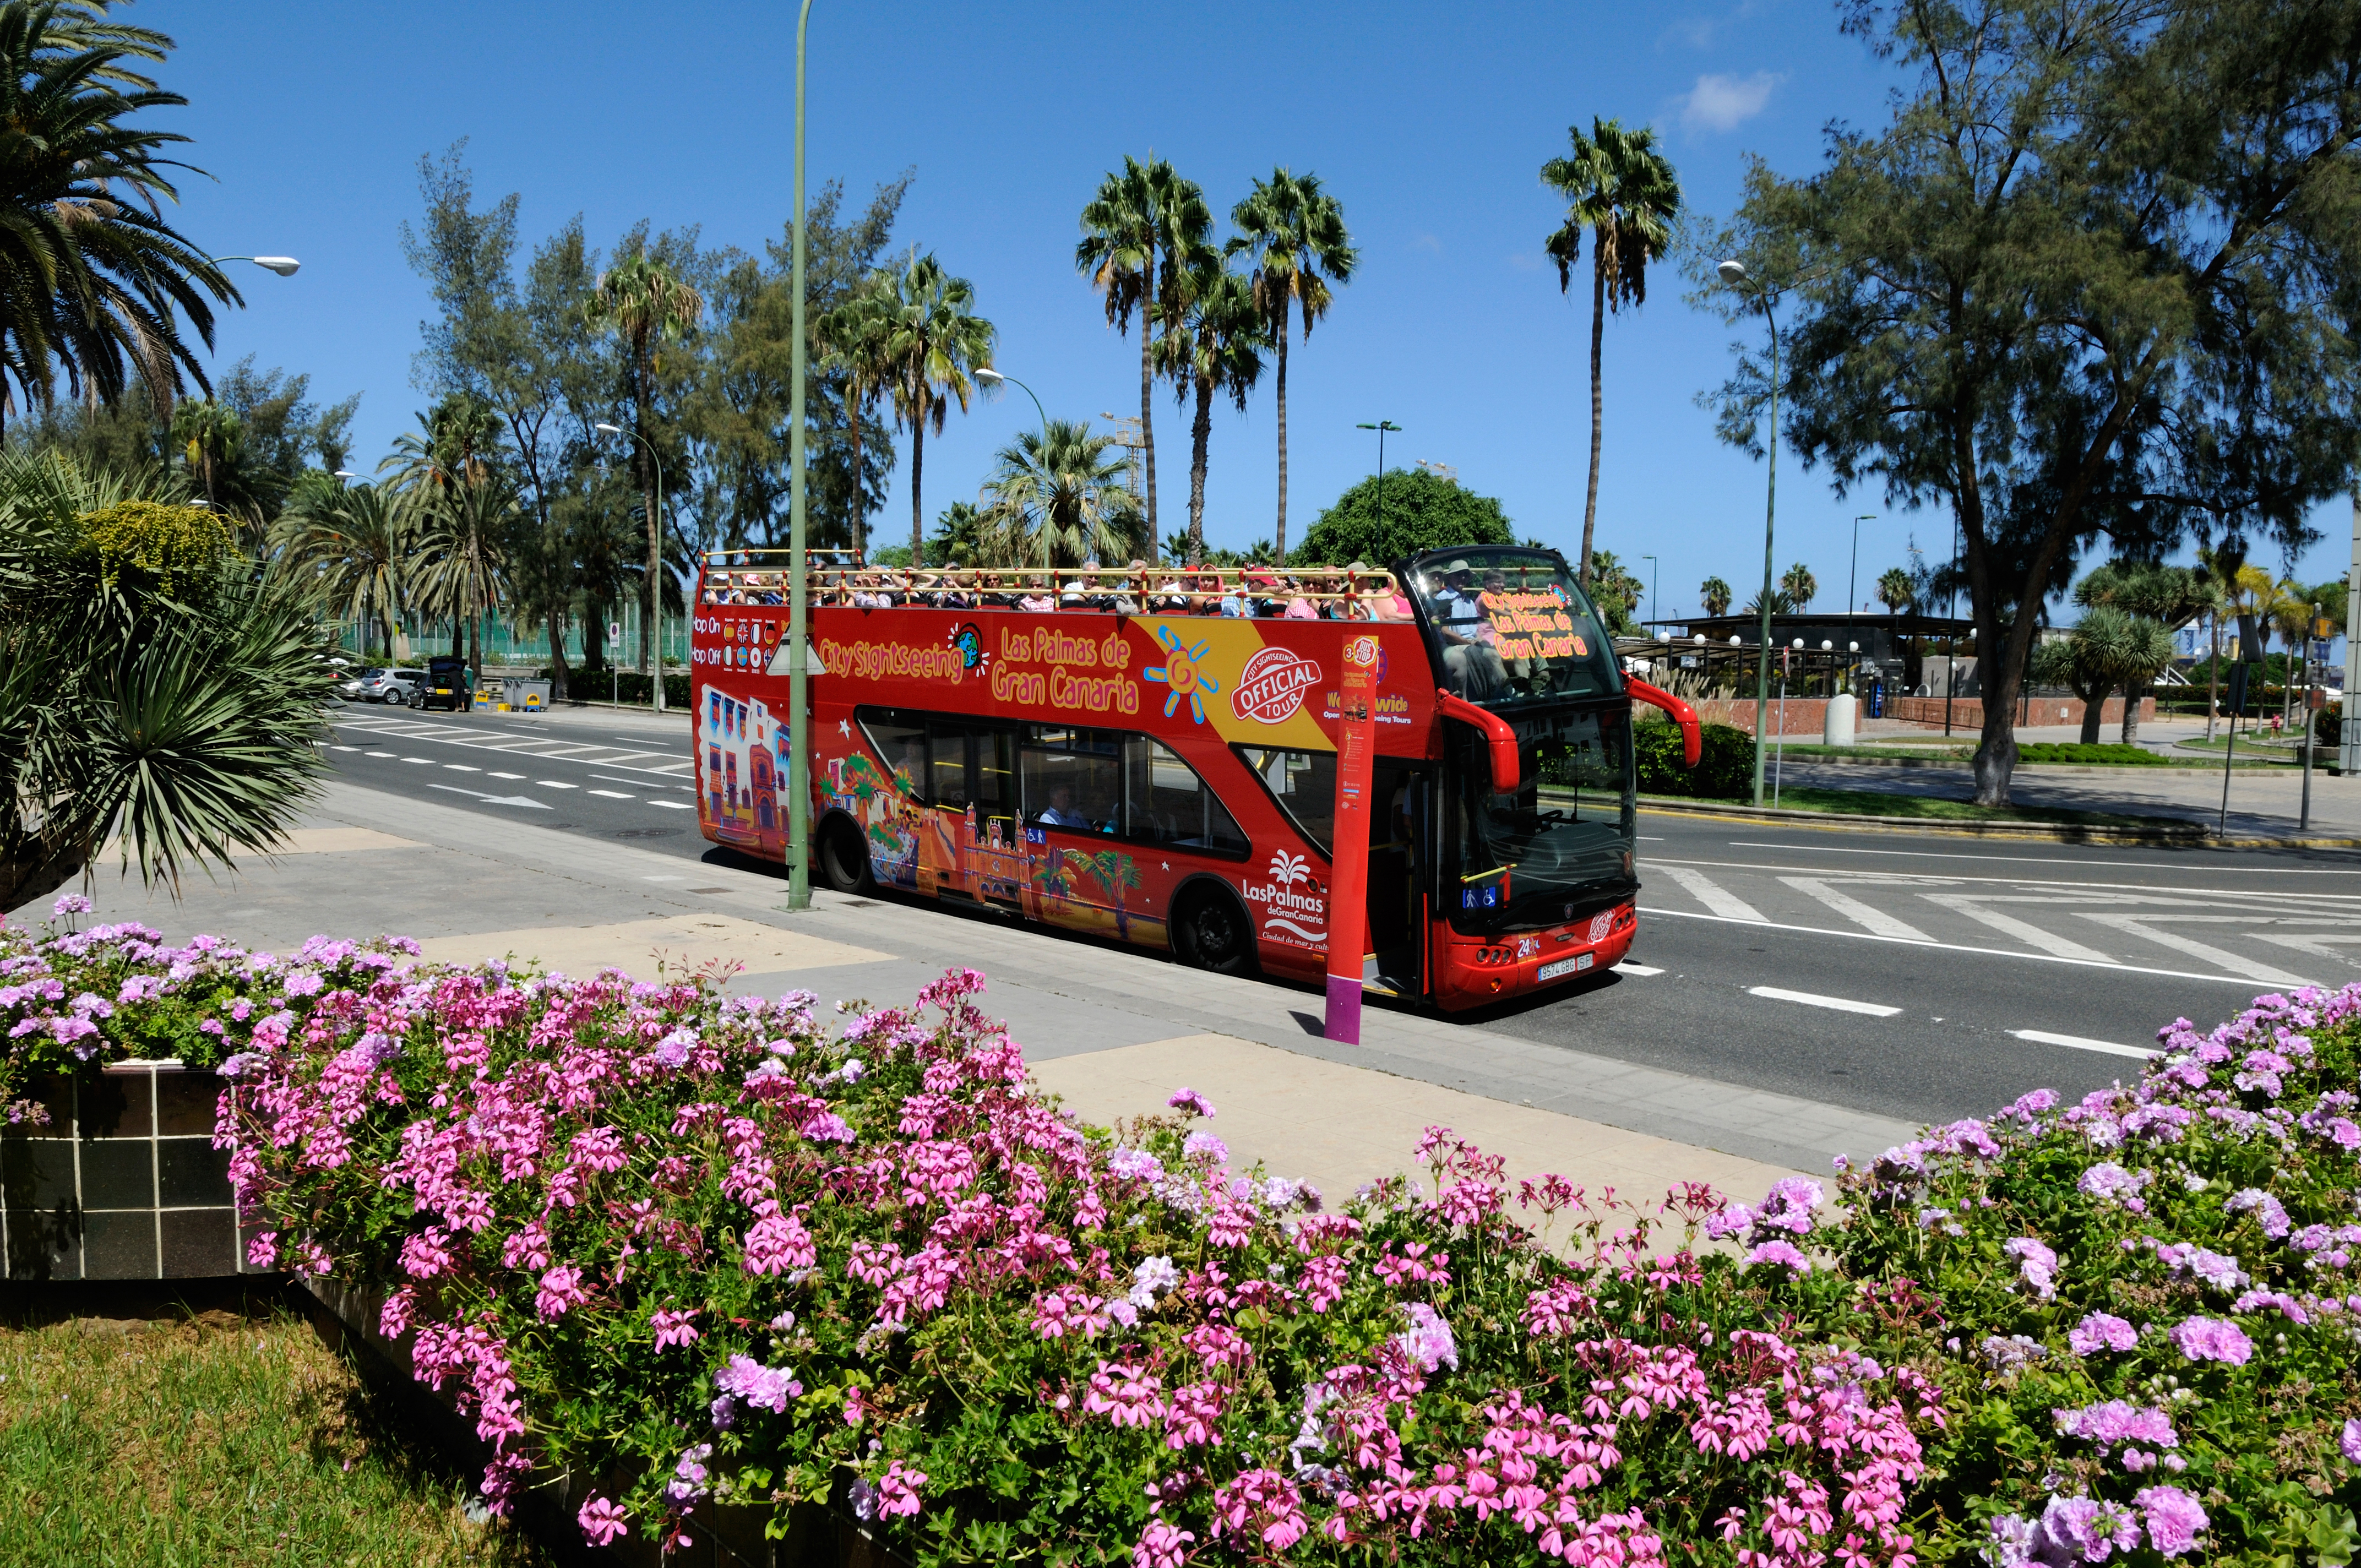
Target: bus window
(947, 752)
(900, 740)
(1171, 804)
(1304, 784)
(1072, 779)
(995, 772)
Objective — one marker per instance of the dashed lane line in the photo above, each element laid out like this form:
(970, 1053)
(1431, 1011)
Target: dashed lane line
(388, 755)
(676, 805)
(554, 783)
(613, 794)
(1834, 1003)
(2080, 1043)
(461, 768)
(1627, 967)
(507, 775)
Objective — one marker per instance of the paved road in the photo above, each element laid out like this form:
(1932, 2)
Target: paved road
(1907, 976)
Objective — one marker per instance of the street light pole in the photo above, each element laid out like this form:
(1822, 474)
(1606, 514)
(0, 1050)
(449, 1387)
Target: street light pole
(1048, 571)
(1655, 574)
(1382, 426)
(1734, 274)
(1853, 576)
(657, 597)
(284, 266)
(800, 768)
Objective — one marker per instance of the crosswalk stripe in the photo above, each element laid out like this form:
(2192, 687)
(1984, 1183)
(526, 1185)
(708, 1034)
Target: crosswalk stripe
(1711, 894)
(1977, 910)
(2232, 963)
(1853, 909)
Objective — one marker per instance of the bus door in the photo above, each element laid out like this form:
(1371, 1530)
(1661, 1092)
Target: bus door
(971, 846)
(1071, 781)
(1401, 793)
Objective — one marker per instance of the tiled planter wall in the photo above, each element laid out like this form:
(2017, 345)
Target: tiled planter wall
(124, 1183)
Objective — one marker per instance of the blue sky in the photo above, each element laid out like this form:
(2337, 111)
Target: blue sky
(1430, 123)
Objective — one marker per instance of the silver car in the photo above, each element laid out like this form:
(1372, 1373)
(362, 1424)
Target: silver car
(350, 682)
(391, 686)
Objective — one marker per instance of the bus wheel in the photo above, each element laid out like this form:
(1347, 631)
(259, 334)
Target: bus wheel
(843, 857)
(1211, 932)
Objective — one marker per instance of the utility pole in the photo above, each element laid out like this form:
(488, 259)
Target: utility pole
(1127, 436)
(2350, 762)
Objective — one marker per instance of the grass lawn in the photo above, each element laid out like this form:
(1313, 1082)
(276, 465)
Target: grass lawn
(1872, 803)
(215, 1429)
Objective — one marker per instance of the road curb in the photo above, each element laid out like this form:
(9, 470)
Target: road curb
(2195, 837)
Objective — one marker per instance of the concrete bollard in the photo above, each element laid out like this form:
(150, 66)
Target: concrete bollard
(1840, 723)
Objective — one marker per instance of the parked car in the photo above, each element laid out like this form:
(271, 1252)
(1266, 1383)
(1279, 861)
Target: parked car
(445, 686)
(391, 686)
(349, 685)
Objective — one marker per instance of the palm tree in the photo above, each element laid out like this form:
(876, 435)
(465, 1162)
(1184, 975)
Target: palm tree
(1062, 480)
(852, 345)
(1213, 338)
(1295, 232)
(933, 340)
(1715, 594)
(2221, 564)
(1798, 585)
(1144, 226)
(645, 303)
(1895, 591)
(461, 559)
(93, 282)
(353, 560)
(1621, 189)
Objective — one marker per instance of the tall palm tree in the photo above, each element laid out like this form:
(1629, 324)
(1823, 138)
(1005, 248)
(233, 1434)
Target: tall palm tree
(1062, 480)
(354, 559)
(1715, 593)
(1213, 338)
(1144, 226)
(1799, 585)
(1895, 590)
(93, 282)
(933, 340)
(645, 304)
(463, 559)
(1295, 233)
(1621, 189)
(853, 339)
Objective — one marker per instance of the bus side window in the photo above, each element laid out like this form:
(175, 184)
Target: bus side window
(1072, 778)
(1171, 804)
(1304, 784)
(901, 744)
(947, 751)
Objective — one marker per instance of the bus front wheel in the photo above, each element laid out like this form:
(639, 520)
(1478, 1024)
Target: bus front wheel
(843, 857)
(1211, 932)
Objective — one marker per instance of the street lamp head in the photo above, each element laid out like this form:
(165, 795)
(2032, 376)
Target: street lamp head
(1732, 272)
(347, 474)
(284, 266)
(603, 428)
(986, 373)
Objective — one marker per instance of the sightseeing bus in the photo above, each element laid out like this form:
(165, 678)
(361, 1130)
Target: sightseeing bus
(1092, 755)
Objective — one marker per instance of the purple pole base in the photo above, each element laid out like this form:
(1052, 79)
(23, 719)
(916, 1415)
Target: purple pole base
(1344, 1011)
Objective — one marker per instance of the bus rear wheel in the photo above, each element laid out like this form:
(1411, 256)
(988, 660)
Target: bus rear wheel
(844, 857)
(1210, 931)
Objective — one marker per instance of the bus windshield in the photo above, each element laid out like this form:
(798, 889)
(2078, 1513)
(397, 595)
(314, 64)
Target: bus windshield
(1513, 624)
(1561, 845)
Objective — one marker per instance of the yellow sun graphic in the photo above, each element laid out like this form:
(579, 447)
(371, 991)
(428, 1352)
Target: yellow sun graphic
(1179, 672)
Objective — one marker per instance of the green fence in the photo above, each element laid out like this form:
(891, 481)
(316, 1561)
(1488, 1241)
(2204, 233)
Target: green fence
(508, 646)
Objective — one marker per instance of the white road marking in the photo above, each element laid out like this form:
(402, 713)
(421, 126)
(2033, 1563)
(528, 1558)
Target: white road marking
(676, 805)
(612, 794)
(2018, 859)
(1836, 1003)
(2316, 945)
(664, 879)
(2078, 1043)
(552, 783)
(2140, 926)
(1943, 946)
(1627, 967)
(343, 748)
(604, 778)
(1854, 910)
(493, 799)
(2253, 896)
(1711, 894)
(507, 775)
(377, 754)
(1973, 906)
(421, 761)
(461, 768)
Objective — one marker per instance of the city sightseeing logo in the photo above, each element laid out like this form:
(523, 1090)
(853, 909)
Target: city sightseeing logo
(1270, 688)
(967, 641)
(1362, 653)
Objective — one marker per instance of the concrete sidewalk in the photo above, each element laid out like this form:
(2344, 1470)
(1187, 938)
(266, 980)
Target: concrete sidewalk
(1112, 1030)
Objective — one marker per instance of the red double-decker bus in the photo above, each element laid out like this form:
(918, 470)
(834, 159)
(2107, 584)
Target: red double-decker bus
(1120, 766)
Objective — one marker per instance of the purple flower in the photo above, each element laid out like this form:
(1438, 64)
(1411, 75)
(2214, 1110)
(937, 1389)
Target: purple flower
(764, 1388)
(1135, 1165)
(602, 1521)
(2173, 1519)
(674, 1048)
(2101, 1331)
(1151, 1277)
(1784, 1253)
(1188, 1100)
(2008, 1354)
(1428, 1340)
(2070, 1530)
(2037, 1263)
(2267, 1211)
(1204, 1146)
(2117, 1422)
(2110, 1183)
(2351, 1442)
(68, 903)
(2213, 1339)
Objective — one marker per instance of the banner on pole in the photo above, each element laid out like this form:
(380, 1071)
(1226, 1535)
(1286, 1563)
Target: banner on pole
(1349, 870)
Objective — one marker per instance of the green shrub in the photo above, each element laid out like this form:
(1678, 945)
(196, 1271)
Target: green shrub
(2128, 756)
(1725, 769)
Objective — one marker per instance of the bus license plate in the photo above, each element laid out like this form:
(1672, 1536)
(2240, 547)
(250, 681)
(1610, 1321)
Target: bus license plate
(1574, 965)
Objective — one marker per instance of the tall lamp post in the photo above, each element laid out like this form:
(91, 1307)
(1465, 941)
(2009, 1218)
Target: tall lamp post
(1734, 274)
(603, 428)
(1655, 572)
(1382, 426)
(1049, 572)
(799, 548)
(1853, 576)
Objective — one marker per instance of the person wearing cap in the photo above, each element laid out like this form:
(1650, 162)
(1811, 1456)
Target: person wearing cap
(1474, 670)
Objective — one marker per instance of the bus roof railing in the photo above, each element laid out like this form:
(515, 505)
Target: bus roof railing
(838, 581)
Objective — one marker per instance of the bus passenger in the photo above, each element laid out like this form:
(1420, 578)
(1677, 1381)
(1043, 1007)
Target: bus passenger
(1061, 812)
(1037, 601)
(1297, 607)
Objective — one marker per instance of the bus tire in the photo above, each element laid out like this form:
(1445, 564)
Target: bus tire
(844, 857)
(1210, 931)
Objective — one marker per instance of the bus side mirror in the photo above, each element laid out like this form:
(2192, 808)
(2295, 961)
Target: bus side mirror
(1692, 738)
(1502, 739)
